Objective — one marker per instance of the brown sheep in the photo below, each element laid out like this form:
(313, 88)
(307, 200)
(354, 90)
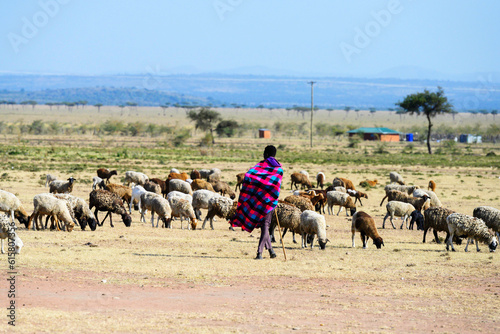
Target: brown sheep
(368, 183)
(106, 174)
(357, 195)
(365, 225)
(432, 185)
(299, 178)
(239, 180)
(223, 188)
(320, 180)
(300, 202)
(342, 182)
(195, 174)
(201, 184)
(104, 200)
(162, 184)
(124, 192)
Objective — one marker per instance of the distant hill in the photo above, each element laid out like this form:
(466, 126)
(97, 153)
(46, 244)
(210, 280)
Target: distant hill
(243, 90)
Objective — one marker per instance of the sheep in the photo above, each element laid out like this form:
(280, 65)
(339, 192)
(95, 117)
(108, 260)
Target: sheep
(404, 189)
(434, 200)
(180, 185)
(174, 170)
(137, 191)
(195, 174)
(214, 175)
(179, 194)
(153, 187)
(342, 200)
(473, 228)
(300, 202)
(312, 223)
(396, 178)
(104, 200)
(61, 187)
(336, 188)
(106, 174)
(365, 225)
(182, 208)
(201, 197)
(48, 204)
(314, 197)
(124, 192)
(179, 176)
(220, 206)
(204, 173)
(49, 178)
(368, 183)
(8, 231)
(435, 218)
(320, 180)
(80, 209)
(239, 180)
(357, 195)
(201, 184)
(299, 178)
(135, 177)
(223, 188)
(432, 185)
(417, 202)
(289, 218)
(417, 217)
(342, 182)
(157, 204)
(490, 215)
(398, 209)
(97, 181)
(162, 184)
(10, 204)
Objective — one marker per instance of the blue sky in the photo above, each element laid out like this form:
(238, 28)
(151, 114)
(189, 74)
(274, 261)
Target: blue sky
(321, 37)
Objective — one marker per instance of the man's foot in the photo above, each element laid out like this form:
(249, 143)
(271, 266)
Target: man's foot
(272, 254)
(259, 256)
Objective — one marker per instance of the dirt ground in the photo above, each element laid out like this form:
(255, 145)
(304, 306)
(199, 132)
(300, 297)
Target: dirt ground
(143, 279)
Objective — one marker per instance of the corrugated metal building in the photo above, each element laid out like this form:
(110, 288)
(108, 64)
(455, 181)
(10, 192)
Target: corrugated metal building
(382, 134)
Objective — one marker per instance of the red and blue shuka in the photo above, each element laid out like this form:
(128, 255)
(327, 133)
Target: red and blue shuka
(259, 194)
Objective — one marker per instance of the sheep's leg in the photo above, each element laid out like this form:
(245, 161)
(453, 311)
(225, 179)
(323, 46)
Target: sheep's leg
(312, 241)
(302, 243)
(107, 214)
(12, 216)
(437, 238)
(340, 209)
(293, 236)
(3, 252)
(212, 223)
(330, 209)
(392, 217)
(449, 242)
(364, 239)
(204, 222)
(153, 219)
(353, 235)
(402, 223)
(383, 223)
(477, 245)
(467, 246)
(110, 219)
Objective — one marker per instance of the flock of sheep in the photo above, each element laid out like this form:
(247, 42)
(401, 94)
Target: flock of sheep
(183, 196)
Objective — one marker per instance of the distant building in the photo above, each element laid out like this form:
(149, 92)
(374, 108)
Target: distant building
(470, 139)
(264, 133)
(382, 134)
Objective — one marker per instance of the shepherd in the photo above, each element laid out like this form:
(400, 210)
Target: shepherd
(258, 198)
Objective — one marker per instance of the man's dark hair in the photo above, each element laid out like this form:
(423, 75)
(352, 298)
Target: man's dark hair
(269, 151)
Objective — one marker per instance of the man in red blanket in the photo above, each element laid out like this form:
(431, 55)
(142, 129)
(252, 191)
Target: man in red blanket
(258, 198)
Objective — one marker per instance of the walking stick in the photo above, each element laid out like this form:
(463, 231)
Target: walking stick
(279, 232)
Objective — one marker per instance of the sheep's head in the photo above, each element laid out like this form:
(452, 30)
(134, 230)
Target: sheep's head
(353, 211)
(322, 244)
(22, 218)
(127, 220)
(71, 180)
(18, 244)
(92, 223)
(378, 242)
(194, 222)
(493, 244)
(113, 172)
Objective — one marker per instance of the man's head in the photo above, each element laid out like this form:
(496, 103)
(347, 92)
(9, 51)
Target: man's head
(269, 151)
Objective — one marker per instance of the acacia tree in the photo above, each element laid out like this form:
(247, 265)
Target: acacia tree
(205, 119)
(428, 103)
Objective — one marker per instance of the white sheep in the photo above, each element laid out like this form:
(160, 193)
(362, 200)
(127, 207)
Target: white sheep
(137, 191)
(396, 178)
(96, 180)
(48, 204)
(182, 208)
(49, 178)
(312, 223)
(398, 209)
(471, 227)
(10, 204)
(434, 200)
(61, 187)
(490, 215)
(175, 170)
(365, 225)
(340, 199)
(200, 200)
(157, 204)
(135, 177)
(180, 185)
(80, 209)
(8, 231)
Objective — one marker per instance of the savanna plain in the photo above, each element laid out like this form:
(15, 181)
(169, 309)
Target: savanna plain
(144, 279)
